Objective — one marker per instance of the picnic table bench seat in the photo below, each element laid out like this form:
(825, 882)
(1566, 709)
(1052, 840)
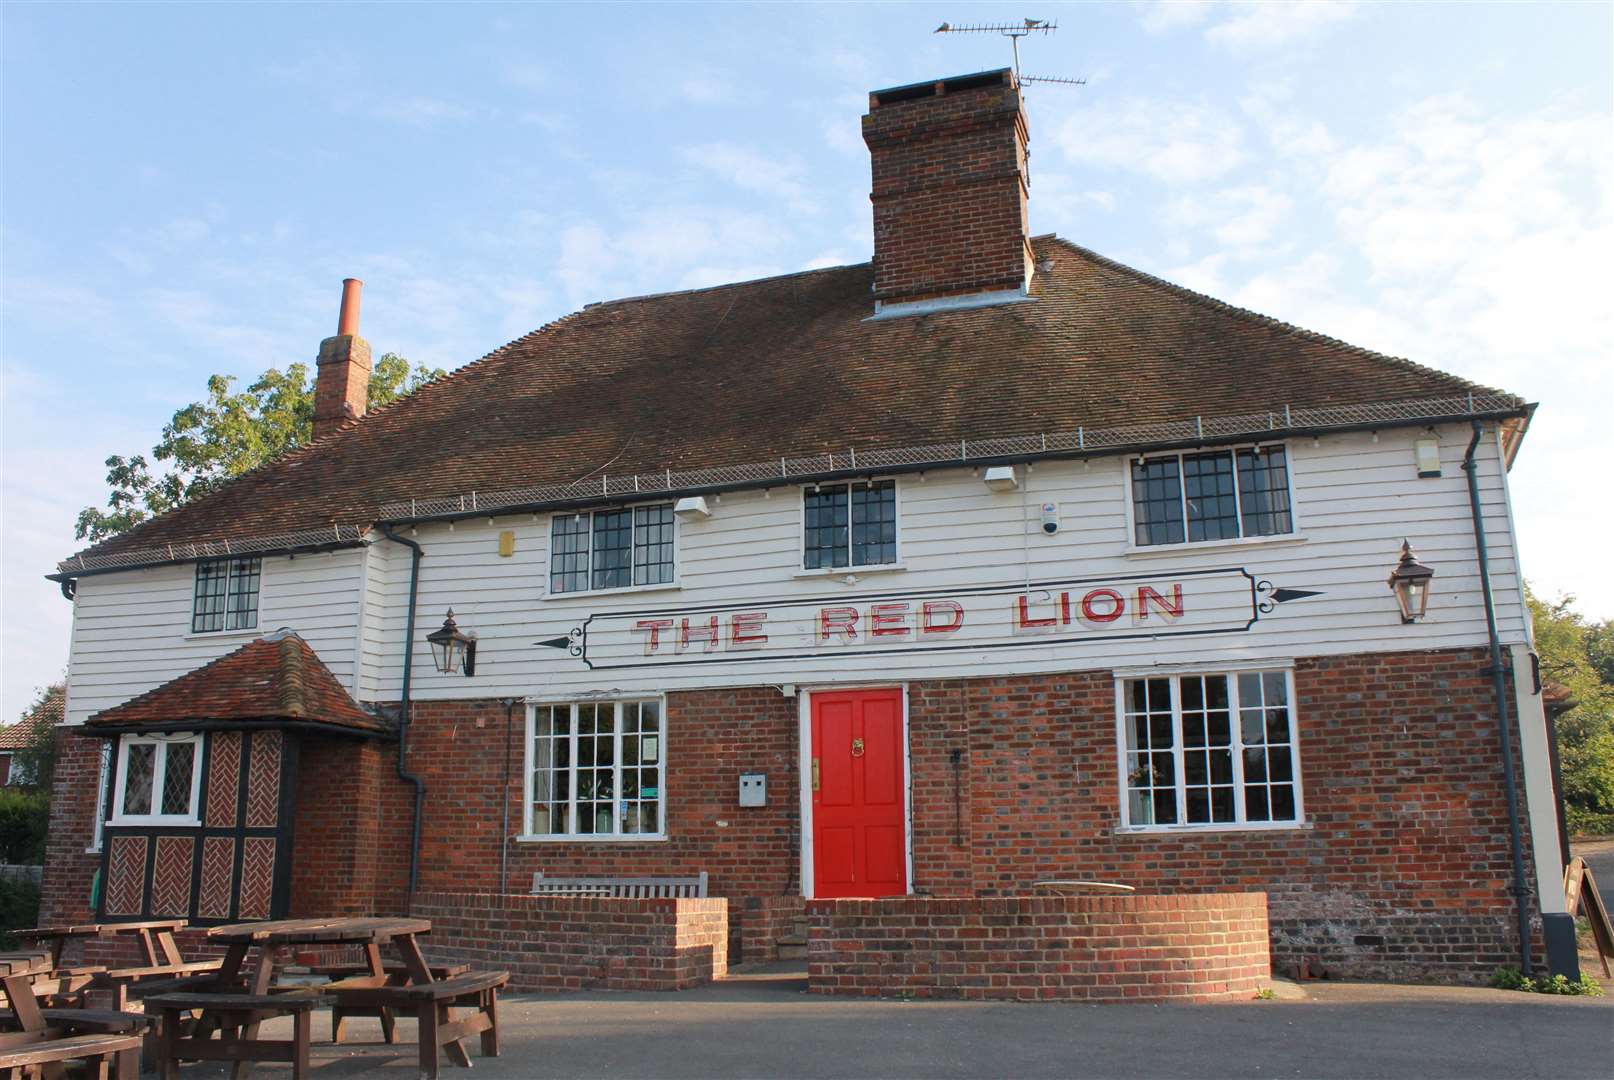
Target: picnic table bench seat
(431, 1003)
(624, 887)
(232, 1014)
(120, 1051)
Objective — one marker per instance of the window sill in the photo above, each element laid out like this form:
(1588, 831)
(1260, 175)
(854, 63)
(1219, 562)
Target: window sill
(1211, 545)
(1189, 830)
(223, 635)
(850, 571)
(156, 821)
(592, 838)
(671, 586)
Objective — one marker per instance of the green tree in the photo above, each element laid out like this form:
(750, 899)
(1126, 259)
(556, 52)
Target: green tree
(37, 760)
(1579, 656)
(230, 432)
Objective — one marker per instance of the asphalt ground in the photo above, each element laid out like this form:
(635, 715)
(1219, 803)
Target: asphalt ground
(767, 1026)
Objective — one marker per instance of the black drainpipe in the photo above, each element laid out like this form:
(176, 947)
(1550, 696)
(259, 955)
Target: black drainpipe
(1521, 890)
(404, 774)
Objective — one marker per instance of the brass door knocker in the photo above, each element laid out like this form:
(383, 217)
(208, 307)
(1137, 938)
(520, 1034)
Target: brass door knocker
(857, 747)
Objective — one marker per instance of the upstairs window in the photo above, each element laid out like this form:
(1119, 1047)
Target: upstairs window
(849, 525)
(611, 549)
(226, 595)
(158, 780)
(1219, 495)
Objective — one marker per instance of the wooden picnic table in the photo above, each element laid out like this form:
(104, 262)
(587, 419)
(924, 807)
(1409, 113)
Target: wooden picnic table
(37, 1037)
(23, 1014)
(156, 937)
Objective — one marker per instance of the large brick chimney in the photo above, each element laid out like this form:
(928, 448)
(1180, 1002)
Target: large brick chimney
(342, 388)
(950, 189)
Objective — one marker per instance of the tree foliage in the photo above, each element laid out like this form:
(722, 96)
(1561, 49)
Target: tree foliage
(1578, 655)
(37, 760)
(228, 433)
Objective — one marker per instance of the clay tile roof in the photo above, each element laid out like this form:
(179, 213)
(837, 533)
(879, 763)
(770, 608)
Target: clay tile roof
(275, 678)
(49, 714)
(792, 367)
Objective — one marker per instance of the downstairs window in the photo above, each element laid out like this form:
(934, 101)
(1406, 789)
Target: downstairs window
(595, 769)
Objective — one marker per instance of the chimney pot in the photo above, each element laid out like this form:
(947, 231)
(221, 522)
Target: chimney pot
(342, 380)
(347, 321)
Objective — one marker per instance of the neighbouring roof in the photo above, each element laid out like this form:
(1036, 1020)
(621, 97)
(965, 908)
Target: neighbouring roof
(791, 367)
(18, 735)
(273, 680)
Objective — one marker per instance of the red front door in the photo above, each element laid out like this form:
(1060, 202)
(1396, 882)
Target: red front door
(859, 840)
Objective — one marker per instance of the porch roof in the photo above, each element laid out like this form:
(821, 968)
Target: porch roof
(275, 681)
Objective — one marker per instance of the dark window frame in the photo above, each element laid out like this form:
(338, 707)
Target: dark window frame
(612, 549)
(850, 526)
(1225, 495)
(227, 595)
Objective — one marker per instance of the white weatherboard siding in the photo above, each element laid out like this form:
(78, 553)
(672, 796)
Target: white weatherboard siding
(131, 631)
(1355, 500)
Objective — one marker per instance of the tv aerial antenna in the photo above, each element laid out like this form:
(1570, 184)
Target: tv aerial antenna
(1014, 32)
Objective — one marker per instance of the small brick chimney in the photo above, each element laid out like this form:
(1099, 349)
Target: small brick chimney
(342, 388)
(950, 189)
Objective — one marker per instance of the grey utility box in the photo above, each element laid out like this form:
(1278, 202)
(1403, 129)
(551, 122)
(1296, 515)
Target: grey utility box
(753, 789)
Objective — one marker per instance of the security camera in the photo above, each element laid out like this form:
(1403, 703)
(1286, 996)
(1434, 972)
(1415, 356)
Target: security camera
(1050, 518)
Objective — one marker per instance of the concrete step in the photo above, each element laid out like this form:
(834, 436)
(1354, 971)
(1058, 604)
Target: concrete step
(792, 951)
(801, 927)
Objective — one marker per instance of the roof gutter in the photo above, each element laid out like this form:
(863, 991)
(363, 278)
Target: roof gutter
(415, 555)
(1520, 889)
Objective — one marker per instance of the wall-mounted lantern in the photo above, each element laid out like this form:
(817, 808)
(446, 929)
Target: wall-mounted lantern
(1410, 583)
(452, 649)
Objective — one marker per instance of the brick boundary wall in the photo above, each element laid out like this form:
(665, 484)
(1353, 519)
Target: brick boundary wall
(1210, 947)
(764, 920)
(580, 943)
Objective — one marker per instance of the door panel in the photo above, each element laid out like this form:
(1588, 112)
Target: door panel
(859, 805)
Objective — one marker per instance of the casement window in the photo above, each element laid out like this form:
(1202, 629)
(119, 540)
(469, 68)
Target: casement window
(159, 780)
(1211, 750)
(596, 769)
(226, 595)
(849, 525)
(1218, 495)
(611, 549)
(101, 775)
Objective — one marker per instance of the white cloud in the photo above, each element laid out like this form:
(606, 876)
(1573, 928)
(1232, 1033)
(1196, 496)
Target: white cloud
(1173, 141)
(1264, 24)
(1243, 220)
(706, 88)
(769, 175)
(419, 111)
(1165, 16)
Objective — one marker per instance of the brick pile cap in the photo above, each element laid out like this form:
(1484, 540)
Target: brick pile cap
(275, 681)
(21, 734)
(790, 367)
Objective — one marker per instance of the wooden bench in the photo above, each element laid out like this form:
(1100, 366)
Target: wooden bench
(357, 976)
(229, 1014)
(432, 1004)
(120, 1051)
(627, 887)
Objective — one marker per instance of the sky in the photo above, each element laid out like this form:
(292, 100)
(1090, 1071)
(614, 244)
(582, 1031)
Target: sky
(183, 187)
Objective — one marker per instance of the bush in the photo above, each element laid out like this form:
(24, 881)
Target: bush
(24, 817)
(1510, 978)
(19, 909)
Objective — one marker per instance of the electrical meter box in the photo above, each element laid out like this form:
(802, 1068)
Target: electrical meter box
(753, 789)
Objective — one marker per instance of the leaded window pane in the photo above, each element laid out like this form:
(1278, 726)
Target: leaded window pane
(874, 523)
(1208, 490)
(226, 595)
(652, 545)
(1157, 502)
(140, 771)
(1264, 491)
(178, 770)
(242, 606)
(613, 549)
(826, 511)
(568, 553)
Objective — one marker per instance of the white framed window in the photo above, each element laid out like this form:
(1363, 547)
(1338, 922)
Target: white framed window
(849, 525)
(1229, 494)
(226, 595)
(1209, 750)
(611, 549)
(159, 780)
(101, 775)
(596, 769)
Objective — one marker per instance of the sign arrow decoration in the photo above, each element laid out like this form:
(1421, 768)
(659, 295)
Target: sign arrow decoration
(1282, 596)
(561, 642)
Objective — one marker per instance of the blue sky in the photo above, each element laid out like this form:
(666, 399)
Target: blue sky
(185, 186)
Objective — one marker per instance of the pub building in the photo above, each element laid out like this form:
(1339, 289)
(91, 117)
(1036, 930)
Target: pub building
(987, 562)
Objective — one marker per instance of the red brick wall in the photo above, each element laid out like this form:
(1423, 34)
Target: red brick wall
(336, 830)
(1070, 948)
(949, 194)
(764, 920)
(69, 869)
(580, 943)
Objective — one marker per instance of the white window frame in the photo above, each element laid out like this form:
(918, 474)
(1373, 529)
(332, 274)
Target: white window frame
(802, 570)
(102, 773)
(1238, 824)
(160, 770)
(1294, 533)
(549, 554)
(242, 631)
(663, 799)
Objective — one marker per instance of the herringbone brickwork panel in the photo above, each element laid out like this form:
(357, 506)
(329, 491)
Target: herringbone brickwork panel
(223, 772)
(257, 877)
(171, 876)
(263, 780)
(218, 874)
(126, 875)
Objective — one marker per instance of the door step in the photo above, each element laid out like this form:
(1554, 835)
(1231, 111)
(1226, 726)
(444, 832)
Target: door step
(792, 947)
